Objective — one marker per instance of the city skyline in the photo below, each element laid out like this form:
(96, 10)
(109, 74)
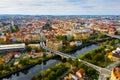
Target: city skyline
(60, 7)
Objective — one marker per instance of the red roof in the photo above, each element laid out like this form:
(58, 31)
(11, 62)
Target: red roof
(111, 29)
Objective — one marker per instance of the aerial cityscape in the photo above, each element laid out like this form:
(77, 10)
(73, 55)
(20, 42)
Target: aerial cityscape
(59, 40)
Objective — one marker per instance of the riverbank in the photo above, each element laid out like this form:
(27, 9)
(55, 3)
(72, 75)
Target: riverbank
(98, 56)
(87, 44)
(35, 69)
(79, 47)
(87, 48)
(52, 73)
(27, 67)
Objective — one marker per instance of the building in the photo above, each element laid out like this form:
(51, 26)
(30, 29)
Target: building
(2, 39)
(71, 77)
(47, 24)
(7, 58)
(54, 44)
(111, 31)
(77, 43)
(118, 30)
(115, 74)
(34, 45)
(77, 36)
(0, 32)
(76, 74)
(103, 30)
(35, 37)
(35, 55)
(2, 63)
(116, 57)
(12, 47)
(17, 54)
(115, 54)
(8, 37)
(80, 34)
(110, 55)
(72, 43)
(80, 73)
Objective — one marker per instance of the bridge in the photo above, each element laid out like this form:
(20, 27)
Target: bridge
(42, 44)
(104, 72)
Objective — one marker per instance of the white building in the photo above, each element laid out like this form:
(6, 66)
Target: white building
(12, 47)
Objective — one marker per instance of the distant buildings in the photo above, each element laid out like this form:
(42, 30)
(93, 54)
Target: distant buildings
(105, 29)
(77, 27)
(47, 25)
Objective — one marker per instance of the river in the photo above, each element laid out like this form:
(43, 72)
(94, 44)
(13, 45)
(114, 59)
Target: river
(39, 67)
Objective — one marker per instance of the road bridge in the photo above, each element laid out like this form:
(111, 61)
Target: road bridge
(104, 72)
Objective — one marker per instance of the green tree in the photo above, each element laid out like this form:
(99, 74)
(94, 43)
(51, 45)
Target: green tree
(52, 76)
(24, 61)
(98, 57)
(75, 63)
(117, 41)
(46, 78)
(59, 72)
(6, 67)
(70, 60)
(33, 78)
(36, 49)
(1, 67)
(44, 55)
(39, 76)
(88, 56)
(28, 48)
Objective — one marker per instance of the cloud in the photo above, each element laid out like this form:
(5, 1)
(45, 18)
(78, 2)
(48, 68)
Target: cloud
(91, 7)
(59, 7)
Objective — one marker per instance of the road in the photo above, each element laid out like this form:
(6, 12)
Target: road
(104, 72)
(113, 65)
(114, 36)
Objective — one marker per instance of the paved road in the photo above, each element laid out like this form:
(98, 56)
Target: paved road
(114, 36)
(104, 72)
(113, 65)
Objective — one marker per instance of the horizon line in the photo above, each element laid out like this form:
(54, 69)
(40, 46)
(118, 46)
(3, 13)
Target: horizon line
(65, 14)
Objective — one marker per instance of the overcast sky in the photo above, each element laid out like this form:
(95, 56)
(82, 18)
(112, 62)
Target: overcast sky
(60, 7)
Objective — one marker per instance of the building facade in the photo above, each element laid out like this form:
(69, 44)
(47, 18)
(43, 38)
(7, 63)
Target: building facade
(12, 47)
(54, 44)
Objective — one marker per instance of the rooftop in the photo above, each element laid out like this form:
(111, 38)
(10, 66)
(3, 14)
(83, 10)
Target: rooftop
(117, 72)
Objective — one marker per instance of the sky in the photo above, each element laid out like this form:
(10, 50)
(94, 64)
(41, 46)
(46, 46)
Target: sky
(60, 7)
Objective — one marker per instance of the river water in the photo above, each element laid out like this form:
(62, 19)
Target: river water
(39, 67)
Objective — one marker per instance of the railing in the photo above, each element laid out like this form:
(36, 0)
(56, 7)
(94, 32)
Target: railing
(102, 71)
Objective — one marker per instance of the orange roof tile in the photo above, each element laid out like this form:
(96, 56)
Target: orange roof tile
(116, 72)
